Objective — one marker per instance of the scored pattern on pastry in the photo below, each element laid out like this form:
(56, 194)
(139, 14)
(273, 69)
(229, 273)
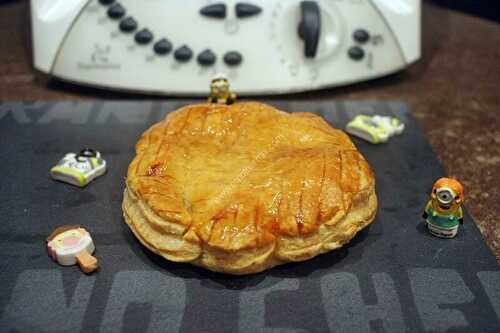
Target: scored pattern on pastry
(245, 187)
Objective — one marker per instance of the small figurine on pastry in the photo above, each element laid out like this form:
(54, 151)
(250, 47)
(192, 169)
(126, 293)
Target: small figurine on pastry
(69, 245)
(219, 91)
(443, 213)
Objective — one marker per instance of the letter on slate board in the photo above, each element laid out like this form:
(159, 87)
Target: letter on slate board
(125, 113)
(491, 285)
(66, 312)
(253, 308)
(433, 288)
(347, 312)
(62, 112)
(19, 117)
(164, 296)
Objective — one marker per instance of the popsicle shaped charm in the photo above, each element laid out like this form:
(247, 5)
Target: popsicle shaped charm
(71, 244)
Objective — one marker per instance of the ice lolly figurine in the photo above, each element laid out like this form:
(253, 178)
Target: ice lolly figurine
(79, 169)
(71, 244)
(219, 91)
(443, 213)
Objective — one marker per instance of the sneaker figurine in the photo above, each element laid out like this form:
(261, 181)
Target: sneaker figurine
(375, 129)
(79, 169)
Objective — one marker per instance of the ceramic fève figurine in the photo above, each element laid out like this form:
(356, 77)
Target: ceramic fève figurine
(219, 91)
(443, 213)
(375, 129)
(79, 169)
(69, 245)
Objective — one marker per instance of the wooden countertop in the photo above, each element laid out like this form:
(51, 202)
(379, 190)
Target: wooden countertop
(453, 92)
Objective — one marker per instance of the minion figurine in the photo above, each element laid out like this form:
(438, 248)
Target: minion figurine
(443, 213)
(219, 91)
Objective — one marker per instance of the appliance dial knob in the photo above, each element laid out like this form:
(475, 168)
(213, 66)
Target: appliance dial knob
(310, 27)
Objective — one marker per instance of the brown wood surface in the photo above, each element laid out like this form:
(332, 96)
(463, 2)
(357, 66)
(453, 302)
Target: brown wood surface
(453, 92)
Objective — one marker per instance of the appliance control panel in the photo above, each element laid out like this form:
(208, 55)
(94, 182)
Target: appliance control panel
(263, 46)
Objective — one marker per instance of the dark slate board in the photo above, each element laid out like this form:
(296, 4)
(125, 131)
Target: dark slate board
(392, 277)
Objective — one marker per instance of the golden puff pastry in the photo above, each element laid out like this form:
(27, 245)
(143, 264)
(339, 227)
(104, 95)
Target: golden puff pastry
(242, 188)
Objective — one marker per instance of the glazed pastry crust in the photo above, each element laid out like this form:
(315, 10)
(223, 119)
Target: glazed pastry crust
(242, 188)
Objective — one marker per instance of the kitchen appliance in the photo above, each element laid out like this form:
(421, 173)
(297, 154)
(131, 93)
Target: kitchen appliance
(263, 46)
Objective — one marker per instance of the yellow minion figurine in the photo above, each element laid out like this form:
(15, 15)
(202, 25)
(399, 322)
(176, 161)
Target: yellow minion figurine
(219, 91)
(443, 213)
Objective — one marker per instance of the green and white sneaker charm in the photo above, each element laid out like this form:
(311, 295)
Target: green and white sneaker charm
(375, 129)
(79, 169)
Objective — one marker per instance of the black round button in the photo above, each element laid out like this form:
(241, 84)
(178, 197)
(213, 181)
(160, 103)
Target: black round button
(207, 58)
(106, 2)
(162, 47)
(128, 24)
(361, 36)
(183, 54)
(233, 58)
(217, 10)
(116, 11)
(143, 37)
(247, 10)
(356, 53)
